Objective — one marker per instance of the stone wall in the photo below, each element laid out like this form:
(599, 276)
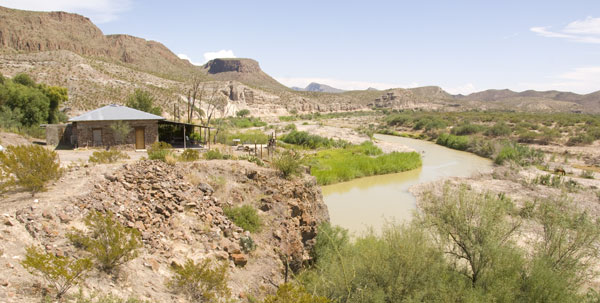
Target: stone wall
(84, 133)
(59, 134)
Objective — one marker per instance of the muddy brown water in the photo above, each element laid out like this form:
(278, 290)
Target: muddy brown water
(370, 202)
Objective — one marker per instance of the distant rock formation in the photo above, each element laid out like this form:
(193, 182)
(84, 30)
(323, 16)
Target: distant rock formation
(318, 87)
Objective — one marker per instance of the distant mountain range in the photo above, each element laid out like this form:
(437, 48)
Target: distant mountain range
(317, 87)
(67, 49)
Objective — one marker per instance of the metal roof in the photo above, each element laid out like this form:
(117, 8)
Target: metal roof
(115, 112)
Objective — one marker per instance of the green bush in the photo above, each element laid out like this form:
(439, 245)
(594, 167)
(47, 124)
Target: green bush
(120, 130)
(288, 293)
(201, 282)
(110, 243)
(214, 154)
(246, 137)
(61, 273)
(520, 154)
(290, 127)
(159, 150)
(242, 113)
(247, 244)
(244, 216)
(190, 155)
(500, 129)
(311, 141)
(453, 141)
(144, 101)
(467, 129)
(30, 167)
(107, 156)
(288, 163)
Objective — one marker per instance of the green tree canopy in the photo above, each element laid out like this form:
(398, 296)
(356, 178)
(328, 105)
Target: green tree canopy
(144, 101)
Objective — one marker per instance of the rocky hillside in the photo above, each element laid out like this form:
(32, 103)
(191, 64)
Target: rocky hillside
(179, 212)
(26, 31)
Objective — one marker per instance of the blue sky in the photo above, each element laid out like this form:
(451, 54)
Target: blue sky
(462, 46)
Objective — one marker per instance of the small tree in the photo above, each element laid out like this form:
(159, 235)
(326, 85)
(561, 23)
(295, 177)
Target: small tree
(201, 282)
(159, 151)
(120, 131)
(109, 242)
(28, 166)
(144, 101)
(242, 113)
(475, 229)
(288, 163)
(61, 273)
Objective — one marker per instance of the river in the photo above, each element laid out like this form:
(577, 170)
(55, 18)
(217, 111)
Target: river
(371, 201)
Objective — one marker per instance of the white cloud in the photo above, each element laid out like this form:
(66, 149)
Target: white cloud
(582, 80)
(461, 89)
(185, 57)
(224, 53)
(99, 11)
(585, 31)
(341, 84)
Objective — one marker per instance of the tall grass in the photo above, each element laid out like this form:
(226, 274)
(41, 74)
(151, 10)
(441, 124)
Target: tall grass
(356, 161)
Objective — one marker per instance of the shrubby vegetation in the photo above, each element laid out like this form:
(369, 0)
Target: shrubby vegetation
(144, 101)
(190, 155)
(305, 139)
(159, 150)
(288, 163)
(29, 167)
(244, 216)
(109, 242)
(355, 161)
(288, 293)
(61, 273)
(201, 282)
(461, 248)
(519, 154)
(107, 156)
(24, 105)
(226, 136)
(240, 122)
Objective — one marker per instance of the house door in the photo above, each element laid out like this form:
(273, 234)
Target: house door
(97, 137)
(139, 138)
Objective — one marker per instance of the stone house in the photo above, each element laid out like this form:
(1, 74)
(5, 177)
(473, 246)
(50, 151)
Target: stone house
(93, 129)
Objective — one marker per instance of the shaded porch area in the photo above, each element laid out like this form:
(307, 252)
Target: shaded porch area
(184, 135)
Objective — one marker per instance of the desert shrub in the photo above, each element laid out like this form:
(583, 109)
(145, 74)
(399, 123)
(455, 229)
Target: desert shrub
(214, 154)
(30, 167)
(520, 154)
(242, 113)
(107, 156)
(195, 136)
(288, 292)
(467, 129)
(108, 241)
(244, 216)
(170, 159)
(311, 141)
(500, 129)
(61, 273)
(288, 163)
(247, 244)
(453, 141)
(159, 150)
(580, 139)
(190, 155)
(290, 127)
(201, 282)
(241, 122)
